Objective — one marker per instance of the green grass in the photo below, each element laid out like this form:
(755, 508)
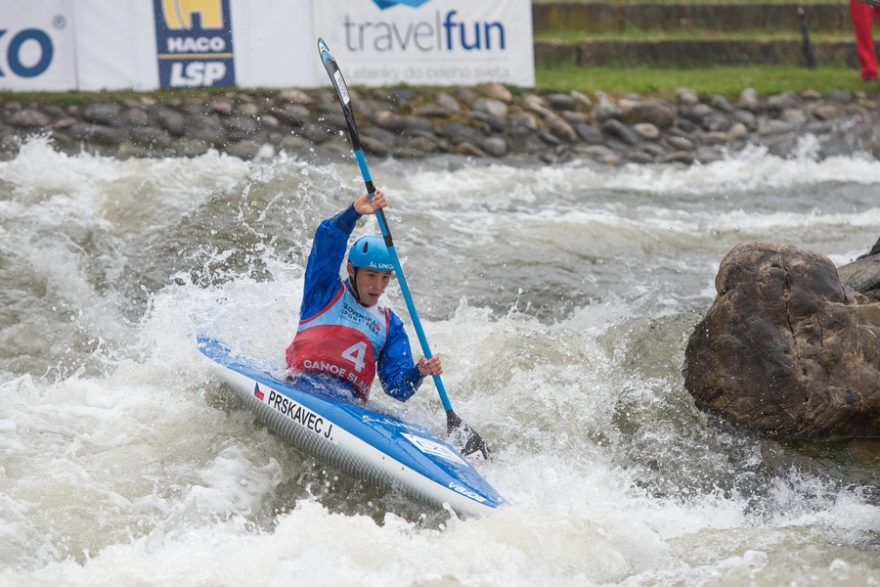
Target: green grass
(728, 81)
(635, 34)
(630, 2)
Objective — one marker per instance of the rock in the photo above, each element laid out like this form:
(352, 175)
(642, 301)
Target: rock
(190, 147)
(221, 105)
(561, 102)
(560, 128)
(721, 104)
(498, 92)
(647, 131)
(469, 150)
(784, 350)
(715, 122)
(623, 132)
(794, 116)
(826, 111)
(523, 119)
(95, 133)
(495, 146)
(172, 121)
(460, 133)
(206, 127)
(291, 114)
(28, 118)
(295, 97)
(697, 112)
(687, 97)
(841, 96)
(376, 147)
(749, 100)
(581, 100)
(677, 157)
(487, 122)
(390, 120)
(243, 149)
(747, 118)
(573, 117)
(247, 109)
(605, 109)
(599, 153)
(863, 275)
(589, 134)
(738, 132)
(136, 117)
(431, 110)
(651, 112)
(492, 107)
(106, 113)
(447, 102)
(775, 127)
(151, 137)
(680, 143)
(780, 102)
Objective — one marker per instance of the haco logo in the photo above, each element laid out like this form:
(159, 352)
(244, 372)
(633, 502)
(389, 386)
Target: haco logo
(449, 32)
(194, 40)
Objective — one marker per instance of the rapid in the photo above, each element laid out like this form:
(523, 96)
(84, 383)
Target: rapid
(560, 297)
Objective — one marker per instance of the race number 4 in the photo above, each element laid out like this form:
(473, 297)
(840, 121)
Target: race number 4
(356, 353)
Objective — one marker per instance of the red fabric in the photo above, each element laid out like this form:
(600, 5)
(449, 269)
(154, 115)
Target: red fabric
(863, 21)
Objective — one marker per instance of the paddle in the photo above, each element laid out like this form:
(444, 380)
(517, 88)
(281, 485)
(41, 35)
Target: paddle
(463, 436)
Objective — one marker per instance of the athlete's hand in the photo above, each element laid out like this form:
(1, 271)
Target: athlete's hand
(364, 206)
(430, 366)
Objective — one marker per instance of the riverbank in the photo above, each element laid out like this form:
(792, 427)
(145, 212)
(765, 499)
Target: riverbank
(485, 122)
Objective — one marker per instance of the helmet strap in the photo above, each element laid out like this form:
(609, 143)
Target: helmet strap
(352, 279)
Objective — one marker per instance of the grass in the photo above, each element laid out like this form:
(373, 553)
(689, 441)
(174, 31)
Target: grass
(636, 2)
(729, 81)
(635, 34)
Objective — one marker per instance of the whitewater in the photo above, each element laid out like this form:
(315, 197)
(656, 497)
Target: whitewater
(561, 299)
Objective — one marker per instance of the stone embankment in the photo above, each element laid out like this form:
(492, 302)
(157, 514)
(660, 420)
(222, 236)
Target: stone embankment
(485, 122)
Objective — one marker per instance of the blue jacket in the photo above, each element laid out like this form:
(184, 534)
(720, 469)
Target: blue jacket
(396, 370)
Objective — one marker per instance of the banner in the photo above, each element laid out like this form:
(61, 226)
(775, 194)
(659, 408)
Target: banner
(37, 45)
(194, 43)
(429, 42)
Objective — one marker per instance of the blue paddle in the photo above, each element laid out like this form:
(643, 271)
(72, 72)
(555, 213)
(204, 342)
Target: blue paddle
(463, 435)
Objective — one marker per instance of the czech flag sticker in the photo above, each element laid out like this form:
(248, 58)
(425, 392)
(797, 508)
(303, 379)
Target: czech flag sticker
(260, 395)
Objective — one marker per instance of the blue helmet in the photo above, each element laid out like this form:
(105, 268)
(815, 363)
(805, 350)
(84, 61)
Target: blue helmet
(370, 252)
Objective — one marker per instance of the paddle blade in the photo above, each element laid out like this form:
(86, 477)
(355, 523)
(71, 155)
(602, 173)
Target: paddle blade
(465, 439)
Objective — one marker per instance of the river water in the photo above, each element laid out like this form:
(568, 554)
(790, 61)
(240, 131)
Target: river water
(561, 298)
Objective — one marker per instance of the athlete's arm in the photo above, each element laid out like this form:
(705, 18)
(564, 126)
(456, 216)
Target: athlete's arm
(399, 376)
(322, 269)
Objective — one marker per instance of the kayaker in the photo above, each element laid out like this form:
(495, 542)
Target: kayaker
(343, 332)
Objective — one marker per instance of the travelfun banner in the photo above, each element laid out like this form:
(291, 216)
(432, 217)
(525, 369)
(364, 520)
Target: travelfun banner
(37, 45)
(429, 42)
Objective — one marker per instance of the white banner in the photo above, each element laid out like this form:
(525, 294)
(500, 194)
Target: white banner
(37, 45)
(429, 42)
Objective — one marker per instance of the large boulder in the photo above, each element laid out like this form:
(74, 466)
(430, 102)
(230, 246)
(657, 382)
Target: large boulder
(786, 349)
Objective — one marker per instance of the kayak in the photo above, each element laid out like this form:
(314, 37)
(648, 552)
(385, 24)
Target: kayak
(372, 445)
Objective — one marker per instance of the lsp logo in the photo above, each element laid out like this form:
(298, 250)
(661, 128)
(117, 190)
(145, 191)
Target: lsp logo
(194, 42)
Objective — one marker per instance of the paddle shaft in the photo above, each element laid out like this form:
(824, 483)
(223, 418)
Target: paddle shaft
(401, 278)
(345, 101)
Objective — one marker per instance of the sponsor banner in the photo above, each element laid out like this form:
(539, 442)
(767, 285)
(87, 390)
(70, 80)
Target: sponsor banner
(194, 43)
(37, 45)
(429, 42)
